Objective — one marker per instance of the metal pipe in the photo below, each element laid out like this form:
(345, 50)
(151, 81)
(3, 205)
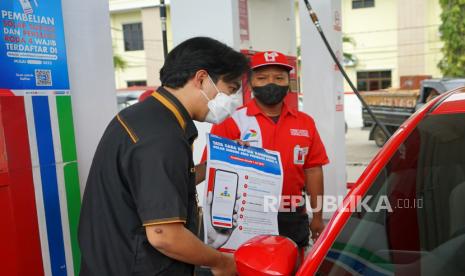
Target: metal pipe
(163, 27)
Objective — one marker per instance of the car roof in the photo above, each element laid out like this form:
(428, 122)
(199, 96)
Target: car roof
(454, 103)
(443, 85)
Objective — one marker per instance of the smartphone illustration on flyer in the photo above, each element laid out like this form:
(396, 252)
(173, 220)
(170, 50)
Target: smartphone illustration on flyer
(224, 198)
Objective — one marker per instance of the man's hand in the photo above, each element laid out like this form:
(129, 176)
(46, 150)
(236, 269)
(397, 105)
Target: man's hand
(227, 267)
(177, 242)
(242, 143)
(316, 227)
(200, 172)
(315, 188)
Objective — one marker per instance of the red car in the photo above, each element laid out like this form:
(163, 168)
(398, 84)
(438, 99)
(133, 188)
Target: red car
(421, 173)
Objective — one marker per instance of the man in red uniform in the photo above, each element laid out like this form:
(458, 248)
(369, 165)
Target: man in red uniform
(266, 121)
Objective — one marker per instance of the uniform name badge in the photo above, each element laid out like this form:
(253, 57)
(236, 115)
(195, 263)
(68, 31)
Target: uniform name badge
(299, 155)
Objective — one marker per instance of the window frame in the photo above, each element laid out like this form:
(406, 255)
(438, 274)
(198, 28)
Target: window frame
(374, 76)
(136, 83)
(132, 40)
(362, 4)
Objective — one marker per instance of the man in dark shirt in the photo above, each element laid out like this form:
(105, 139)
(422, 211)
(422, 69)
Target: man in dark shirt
(139, 211)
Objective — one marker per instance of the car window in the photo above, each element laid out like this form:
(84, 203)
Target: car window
(415, 223)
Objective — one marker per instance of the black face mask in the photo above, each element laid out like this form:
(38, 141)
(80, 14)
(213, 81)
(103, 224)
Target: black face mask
(270, 94)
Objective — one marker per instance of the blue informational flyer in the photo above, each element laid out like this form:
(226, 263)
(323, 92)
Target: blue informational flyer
(242, 195)
(32, 47)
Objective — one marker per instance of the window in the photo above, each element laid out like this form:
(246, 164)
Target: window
(373, 80)
(137, 83)
(133, 37)
(424, 232)
(360, 4)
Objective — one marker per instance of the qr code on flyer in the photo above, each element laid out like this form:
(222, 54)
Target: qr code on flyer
(43, 77)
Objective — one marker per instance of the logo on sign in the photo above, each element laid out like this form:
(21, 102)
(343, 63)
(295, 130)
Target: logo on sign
(27, 7)
(337, 21)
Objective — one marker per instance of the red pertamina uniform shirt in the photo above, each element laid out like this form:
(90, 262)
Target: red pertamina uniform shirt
(294, 135)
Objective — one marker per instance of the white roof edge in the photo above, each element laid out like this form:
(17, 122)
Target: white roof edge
(117, 6)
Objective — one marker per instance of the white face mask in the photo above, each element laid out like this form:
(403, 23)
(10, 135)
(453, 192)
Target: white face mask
(222, 106)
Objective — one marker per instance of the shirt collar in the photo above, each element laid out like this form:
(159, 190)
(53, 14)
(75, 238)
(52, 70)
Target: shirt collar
(253, 109)
(190, 130)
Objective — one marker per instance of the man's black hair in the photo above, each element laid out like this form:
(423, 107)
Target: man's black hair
(218, 59)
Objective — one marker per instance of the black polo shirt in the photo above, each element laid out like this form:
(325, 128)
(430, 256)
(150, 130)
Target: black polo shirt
(142, 174)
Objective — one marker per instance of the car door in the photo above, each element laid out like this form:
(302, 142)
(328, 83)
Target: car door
(414, 223)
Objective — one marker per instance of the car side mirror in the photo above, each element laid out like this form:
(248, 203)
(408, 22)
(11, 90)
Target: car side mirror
(266, 255)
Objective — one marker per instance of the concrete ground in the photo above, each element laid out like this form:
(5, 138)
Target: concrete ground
(359, 151)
